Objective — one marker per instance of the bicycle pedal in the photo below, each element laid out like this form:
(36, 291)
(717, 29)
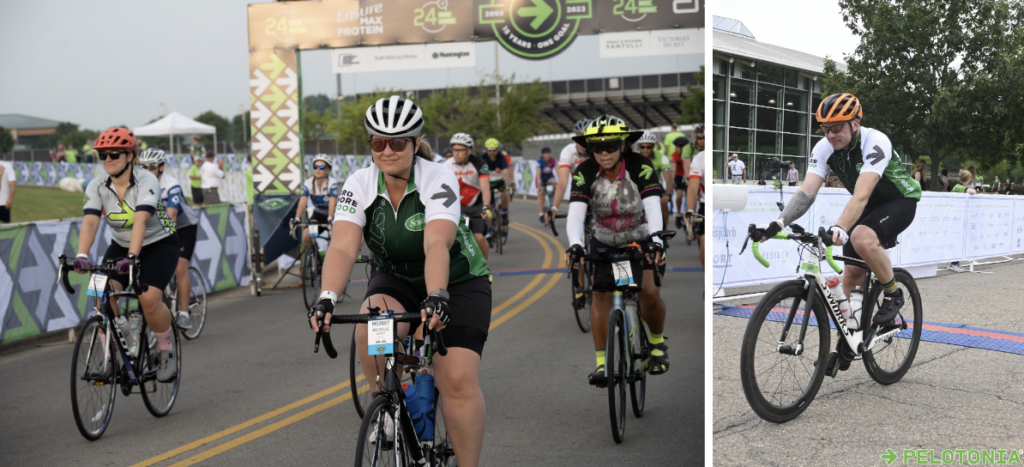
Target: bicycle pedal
(832, 367)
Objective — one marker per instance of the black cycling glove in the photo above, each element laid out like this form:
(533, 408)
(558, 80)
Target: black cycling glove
(324, 307)
(436, 305)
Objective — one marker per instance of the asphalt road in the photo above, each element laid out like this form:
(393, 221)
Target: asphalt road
(253, 393)
(954, 397)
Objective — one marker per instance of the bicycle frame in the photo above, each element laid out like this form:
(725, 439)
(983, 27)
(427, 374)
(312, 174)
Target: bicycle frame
(619, 303)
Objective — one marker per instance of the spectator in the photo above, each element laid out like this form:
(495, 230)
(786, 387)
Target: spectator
(71, 155)
(1008, 187)
(197, 149)
(7, 186)
(87, 153)
(671, 137)
(738, 169)
(142, 145)
(760, 179)
(58, 156)
(794, 175)
(195, 178)
(944, 180)
(965, 184)
(919, 172)
(211, 175)
(995, 185)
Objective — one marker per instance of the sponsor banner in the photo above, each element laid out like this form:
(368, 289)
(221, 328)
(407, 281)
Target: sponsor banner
(403, 57)
(648, 43)
(306, 25)
(410, 21)
(625, 15)
(32, 302)
(277, 136)
(947, 227)
(535, 29)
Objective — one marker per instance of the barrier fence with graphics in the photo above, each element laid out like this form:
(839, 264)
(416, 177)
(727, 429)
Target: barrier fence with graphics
(947, 227)
(31, 302)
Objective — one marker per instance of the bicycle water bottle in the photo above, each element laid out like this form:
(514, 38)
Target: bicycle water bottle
(634, 321)
(124, 334)
(856, 304)
(425, 394)
(414, 405)
(135, 323)
(836, 287)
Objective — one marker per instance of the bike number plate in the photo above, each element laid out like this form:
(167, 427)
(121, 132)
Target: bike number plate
(314, 231)
(97, 282)
(381, 335)
(623, 273)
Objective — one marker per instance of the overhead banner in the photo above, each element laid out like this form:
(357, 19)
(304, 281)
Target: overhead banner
(403, 57)
(625, 15)
(648, 43)
(276, 137)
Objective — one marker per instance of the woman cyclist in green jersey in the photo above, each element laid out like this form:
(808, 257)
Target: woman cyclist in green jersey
(407, 210)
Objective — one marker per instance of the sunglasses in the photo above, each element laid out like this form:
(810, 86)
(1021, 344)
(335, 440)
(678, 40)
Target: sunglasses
(397, 144)
(834, 128)
(113, 155)
(320, 167)
(151, 166)
(700, 137)
(646, 146)
(610, 147)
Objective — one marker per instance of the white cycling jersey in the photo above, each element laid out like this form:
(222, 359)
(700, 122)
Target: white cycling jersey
(697, 171)
(570, 158)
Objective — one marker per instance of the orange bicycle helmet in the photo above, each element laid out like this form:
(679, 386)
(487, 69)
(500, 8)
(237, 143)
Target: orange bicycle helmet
(839, 107)
(116, 138)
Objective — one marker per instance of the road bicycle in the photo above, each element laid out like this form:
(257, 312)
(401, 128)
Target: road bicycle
(196, 302)
(627, 349)
(499, 223)
(256, 261)
(100, 361)
(312, 259)
(780, 371)
(549, 215)
(401, 443)
(581, 287)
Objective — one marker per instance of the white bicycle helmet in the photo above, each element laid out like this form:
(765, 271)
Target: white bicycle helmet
(394, 117)
(463, 139)
(325, 158)
(152, 156)
(581, 126)
(648, 137)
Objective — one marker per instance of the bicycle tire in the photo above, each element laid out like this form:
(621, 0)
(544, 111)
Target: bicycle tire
(375, 453)
(765, 334)
(256, 268)
(196, 311)
(92, 421)
(504, 231)
(615, 368)
(310, 278)
(158, 397)
(442, 454)
(871, 361)
(361, 401)
(638, 387)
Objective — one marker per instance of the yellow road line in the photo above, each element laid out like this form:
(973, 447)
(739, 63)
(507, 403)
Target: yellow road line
(558, 246)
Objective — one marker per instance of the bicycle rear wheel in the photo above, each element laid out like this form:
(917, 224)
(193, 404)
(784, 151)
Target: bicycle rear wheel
(377, 451)
(581, 300)
(615, 368)
(196, 304)
(780, 386)
(92, 386)
(158, 397)
(638, 387)
(890, 359)
(310, 277)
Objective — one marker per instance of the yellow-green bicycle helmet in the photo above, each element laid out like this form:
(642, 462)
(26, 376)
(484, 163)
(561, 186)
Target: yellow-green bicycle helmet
(491, 143)
(608, 128)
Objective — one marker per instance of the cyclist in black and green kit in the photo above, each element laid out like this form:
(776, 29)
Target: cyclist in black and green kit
(884, 196)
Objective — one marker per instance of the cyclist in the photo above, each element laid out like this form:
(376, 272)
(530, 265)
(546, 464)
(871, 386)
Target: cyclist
(696, 192)
(572, 155)
(687, 150)
(623, 191)
(663, 166)
(498, 168)
(186, 222)
(474, 197)
(884, 197)
(128, 198)
(407, 209)
(322, 189)
(544, 176)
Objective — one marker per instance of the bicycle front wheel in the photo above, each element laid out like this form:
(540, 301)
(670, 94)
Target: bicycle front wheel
(361, 395)
(890, 359)
(638, 387)
(158, 397)
(382, 442)
(310, 277)
(196, 304)
(778, 384)
(92, 383)
(615, 367)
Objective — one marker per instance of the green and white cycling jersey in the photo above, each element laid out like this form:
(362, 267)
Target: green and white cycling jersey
(143, 194)
(395, 236)
(871, 151)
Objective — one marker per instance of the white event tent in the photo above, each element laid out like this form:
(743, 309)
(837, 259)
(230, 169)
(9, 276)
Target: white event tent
(176, 124)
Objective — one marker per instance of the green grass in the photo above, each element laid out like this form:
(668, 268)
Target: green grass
(33, 203)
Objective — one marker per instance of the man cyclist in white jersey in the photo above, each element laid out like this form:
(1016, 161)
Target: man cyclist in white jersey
(884, 198)
(663, 166)
(572, 155)
(474, 187)
(407, 210)
(696, 192)
(185, 220)
(128, 199)
(322, 190)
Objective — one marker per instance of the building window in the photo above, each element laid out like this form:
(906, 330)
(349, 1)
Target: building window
(742, 91)
(741, 116)
(769, 96)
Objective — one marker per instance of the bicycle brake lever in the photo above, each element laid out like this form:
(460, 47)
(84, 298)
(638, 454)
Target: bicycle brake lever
(441, 349)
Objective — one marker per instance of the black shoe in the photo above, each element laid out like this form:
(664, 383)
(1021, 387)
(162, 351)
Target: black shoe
(679, 221)
(891, 305)
(597, 378)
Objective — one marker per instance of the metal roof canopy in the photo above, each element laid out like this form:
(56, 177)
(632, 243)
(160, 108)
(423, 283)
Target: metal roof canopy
(741, 46)
(25, 122)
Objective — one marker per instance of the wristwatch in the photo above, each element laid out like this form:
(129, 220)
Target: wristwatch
(440, 293)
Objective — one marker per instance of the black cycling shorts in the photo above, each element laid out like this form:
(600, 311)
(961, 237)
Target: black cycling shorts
(698, 227)
(187, 241)
(680, 183)
(498, 184)
(470, 306)
(604, 278)
(157, 261)
(888, 220)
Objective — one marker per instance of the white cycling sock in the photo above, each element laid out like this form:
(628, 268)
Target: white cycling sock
(163, 339)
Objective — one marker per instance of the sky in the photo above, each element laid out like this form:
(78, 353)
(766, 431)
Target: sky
(810, 26)
(101, 63)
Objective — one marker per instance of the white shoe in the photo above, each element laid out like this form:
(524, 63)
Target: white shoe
(389, 431)
(184, 321)
(955, 267)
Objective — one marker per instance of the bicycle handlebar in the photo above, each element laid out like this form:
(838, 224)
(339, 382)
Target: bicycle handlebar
(799, 236)
(108, 267)
(630, 253)
(435, 336)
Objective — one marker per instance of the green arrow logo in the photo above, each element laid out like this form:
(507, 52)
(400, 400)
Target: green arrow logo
(889, 457)
(646, 172)
(127, 217)
(579, 179)
(539, 12)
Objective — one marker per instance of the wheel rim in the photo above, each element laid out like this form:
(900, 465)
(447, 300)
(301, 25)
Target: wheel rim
(196, 304)
(891, 355)
(158, 397)
(92, 401)
(784, 380)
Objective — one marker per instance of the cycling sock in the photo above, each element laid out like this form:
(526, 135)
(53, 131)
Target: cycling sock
(163, 339)
(890, 288)
(600, 357)
(657, 339)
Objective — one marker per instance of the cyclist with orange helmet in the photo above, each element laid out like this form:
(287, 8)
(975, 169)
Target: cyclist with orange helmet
(128, 199)
(884, 196)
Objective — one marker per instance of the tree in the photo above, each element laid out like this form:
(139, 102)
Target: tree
(315, 126)
(319, 103)
(348, 128)
(691, 109)
(939, 78)
(220, 123)
(6, 141)
(241, 128)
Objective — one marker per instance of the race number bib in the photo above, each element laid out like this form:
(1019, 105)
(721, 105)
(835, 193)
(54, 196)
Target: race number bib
(381, 335)
(314, 231)
(623, 273)
(97, 283)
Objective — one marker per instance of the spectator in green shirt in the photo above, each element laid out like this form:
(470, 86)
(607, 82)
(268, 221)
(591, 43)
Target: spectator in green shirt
(671, 136)
(88, 154)
(197, 149)
(196, 181)
(71, 155)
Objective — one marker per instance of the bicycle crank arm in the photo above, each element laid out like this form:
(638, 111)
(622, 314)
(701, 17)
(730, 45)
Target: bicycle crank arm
(881, 337)
(789, 350)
